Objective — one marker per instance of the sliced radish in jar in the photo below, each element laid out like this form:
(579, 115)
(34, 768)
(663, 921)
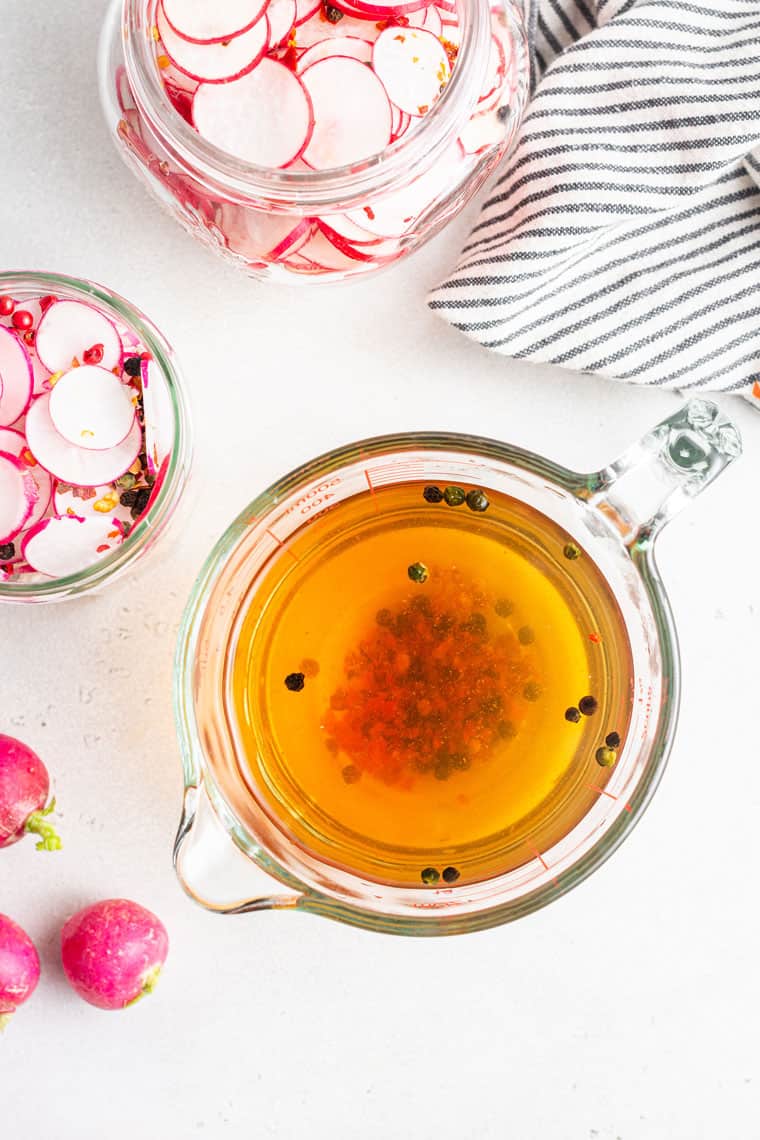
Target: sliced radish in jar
(352, 115)
(202, 22)
(306, 8)
(159, 416)
(16, 378)
(215, 62)
(77, 465)
(18, 496)
(316, 29)
(13, 442)
(350, 47)
(264, 118)
(68, 329)
(413, 67)
(90, 407)
(385, 8)
(59, 547)
(281, 15)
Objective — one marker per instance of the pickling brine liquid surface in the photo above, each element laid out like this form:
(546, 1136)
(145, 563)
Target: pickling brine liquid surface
(429, 692)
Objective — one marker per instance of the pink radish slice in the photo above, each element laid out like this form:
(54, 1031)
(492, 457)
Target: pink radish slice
(77, 465)
(316, 29)
(401, 123)
(205, 23)
(307, 8)
(281, 15)
(352, 115)
(59, 547)
(68, 328)
(40, 372)
(264, 118)
(16, 378)
(91, 408)
(14, 443)
(254, 234)
(348, 229)
(413, 66)
(159, 415)
(215, 62)
(18, 496)
(80, 502)
(351, 47)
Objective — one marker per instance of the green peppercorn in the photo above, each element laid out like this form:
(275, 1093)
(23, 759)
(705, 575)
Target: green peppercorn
(450, 874)
(351, 774)
(504, 608)
(133, 366)
(606, 757)
(477, 500)
(433, 495)
(429, 876)
(525, 635)
(612, 740)
(532, 691)
(572, 714)
(454, 496)
(294, 682)
(571, 551)
(588, 705)
(126, 481)
(418, 572)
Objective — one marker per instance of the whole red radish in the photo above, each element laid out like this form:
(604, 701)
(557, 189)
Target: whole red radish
(112, 952)
(24, 789)
(19, 968)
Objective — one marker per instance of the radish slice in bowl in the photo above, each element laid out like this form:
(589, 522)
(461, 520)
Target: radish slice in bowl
(215, 62)
(59, 547)
(352, 114)
(413, 66)
(18, 495)
(72, 464)
(204, 22)
(264, 118)
(350, 47)
(69, 329)
(91, 408)
(16, 378)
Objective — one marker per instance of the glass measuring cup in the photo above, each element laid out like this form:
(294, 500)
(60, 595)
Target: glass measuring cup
(233, 855)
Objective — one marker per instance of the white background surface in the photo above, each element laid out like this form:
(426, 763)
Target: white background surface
(627, 1010)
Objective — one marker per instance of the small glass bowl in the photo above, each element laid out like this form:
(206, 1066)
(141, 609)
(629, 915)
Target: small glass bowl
(142, 537)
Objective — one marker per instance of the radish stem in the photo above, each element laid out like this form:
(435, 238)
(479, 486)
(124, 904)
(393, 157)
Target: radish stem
(38, 825)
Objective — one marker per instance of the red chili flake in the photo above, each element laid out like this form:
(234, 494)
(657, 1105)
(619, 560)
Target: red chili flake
(28, 337)
(596, 638)
(102, 548)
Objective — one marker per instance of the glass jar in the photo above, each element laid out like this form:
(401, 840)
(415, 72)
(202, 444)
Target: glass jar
(234, 853)
(170, 425)
(293, 225)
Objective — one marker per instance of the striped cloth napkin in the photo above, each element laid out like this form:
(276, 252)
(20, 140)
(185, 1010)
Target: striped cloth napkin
(623, 235)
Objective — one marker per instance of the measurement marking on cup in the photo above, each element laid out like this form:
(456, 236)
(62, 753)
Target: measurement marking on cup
(371, 489)
(609, 795)
(281, 544)
(542, 861)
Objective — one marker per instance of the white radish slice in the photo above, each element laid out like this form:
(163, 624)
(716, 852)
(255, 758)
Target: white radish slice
(16, 378)
(68, 328)
(306, 8)
(256, 235)
(348, 229)
(352, 115)
(77, 465)
(159, 416)
(14, 443)
(412, 65)
(215, 62)
(204, 22)
(264, 118)
(63, 546)
(90, 407)
(349, 46)
(91, 503)
(18, 496)
(281, 15)
(40, 372)
(316, 29)
(385, 8)
(451, 32)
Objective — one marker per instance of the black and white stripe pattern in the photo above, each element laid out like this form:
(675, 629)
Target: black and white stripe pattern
(623, 237)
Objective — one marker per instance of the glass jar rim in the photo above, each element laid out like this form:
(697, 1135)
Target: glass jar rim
(157, 515)
(418, 148)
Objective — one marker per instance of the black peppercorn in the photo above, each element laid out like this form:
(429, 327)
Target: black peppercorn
(133, 366)
(433, 495)
(612, 740)
(573, 715)
(7, 551)
(450, 874)
(295, 682)
(588, 705)
(334, 15)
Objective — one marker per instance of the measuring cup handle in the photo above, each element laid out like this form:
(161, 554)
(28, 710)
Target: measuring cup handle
(213, 871)
(656, 477)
